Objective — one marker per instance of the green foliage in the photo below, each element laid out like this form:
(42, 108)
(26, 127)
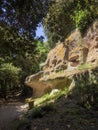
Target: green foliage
(84, 14)
(81, 18)
(86, 88)
(42, 50)
(38, 112)
(18, 124)
(12, 45)
(64, 16)
(48, 107)
(24, 16)
(1, 60)
(44, 104)
(9, 72)
(58, 23)
(9, 77)
(22, 53)
(16, 50)
(45, 101)
(89, 96)
(48, 97)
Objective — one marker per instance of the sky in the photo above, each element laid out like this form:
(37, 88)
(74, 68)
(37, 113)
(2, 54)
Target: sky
(40, 32)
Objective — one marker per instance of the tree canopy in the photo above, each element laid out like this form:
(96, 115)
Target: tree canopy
(24, 15)
(18, 53)
(64, 16)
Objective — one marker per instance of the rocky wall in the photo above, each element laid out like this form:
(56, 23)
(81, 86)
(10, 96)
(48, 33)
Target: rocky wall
(65, 58)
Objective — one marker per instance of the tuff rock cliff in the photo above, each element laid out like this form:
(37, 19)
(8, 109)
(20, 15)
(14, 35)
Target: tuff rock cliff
(63, 62)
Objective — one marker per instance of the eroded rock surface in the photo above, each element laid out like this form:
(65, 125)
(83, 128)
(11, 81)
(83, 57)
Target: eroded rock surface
(63, 59)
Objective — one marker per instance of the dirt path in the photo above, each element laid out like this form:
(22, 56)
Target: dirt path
(9, 113)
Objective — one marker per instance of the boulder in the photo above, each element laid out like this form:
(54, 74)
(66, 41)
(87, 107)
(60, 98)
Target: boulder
(41, 86)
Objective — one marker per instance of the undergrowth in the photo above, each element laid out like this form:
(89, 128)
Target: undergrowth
(51, 97)
(45, 103)
(39, 112)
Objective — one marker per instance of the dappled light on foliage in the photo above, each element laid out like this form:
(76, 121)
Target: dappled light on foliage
(9, 78)
(47, 89)
(64, 16)
(18, 53)
(23, 15)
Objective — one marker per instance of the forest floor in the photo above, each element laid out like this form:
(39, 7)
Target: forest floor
(68, 116)
(10, 111)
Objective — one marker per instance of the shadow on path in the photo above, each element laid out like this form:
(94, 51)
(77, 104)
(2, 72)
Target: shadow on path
(11, 112)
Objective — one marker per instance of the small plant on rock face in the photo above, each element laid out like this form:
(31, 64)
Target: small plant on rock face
(51, 97)
(81, 17)
(85, 66)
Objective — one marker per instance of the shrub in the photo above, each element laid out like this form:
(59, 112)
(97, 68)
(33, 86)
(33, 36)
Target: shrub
(36, 113)
(86, 88)
(51, 97)
(81, 19)
(49, 107)
(84, 14)
(9, 77)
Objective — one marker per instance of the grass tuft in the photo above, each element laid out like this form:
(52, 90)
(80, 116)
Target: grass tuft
(50, 98)
(85, 66)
